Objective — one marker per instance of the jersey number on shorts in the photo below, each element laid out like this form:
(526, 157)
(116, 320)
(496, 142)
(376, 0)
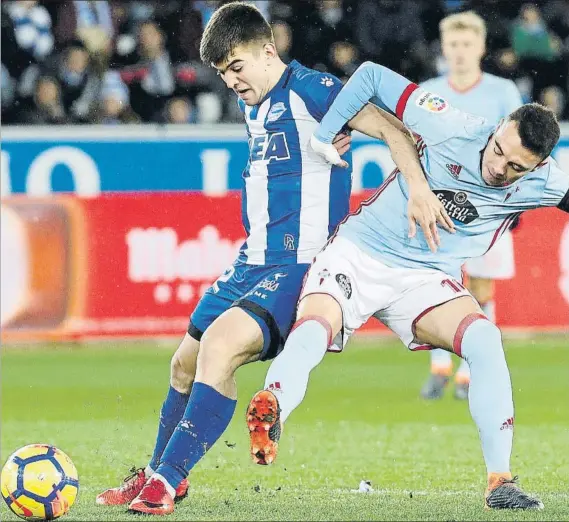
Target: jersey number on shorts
(453, 284)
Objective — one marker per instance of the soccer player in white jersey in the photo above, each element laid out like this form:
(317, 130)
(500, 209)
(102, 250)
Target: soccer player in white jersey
(293, 199)
(371, 267)
(466, 87)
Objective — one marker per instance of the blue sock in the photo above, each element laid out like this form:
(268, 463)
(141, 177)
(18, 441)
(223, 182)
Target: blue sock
(170, 414)
(206, 417)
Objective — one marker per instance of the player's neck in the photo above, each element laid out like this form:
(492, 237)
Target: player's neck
(464, 81)
(278, 69)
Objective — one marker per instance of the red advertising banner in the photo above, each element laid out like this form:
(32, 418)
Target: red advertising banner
(137, 264)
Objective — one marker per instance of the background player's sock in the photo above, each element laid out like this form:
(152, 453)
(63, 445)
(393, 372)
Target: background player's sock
(441, 362)
(489, 309)
(206, 417)
(490, 396)
(170, 414)
(462, 375)
(288, 375)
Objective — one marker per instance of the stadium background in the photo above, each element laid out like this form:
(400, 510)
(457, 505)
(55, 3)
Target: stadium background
(121, 156)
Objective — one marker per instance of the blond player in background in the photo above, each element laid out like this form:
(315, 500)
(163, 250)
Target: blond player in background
(466, 87)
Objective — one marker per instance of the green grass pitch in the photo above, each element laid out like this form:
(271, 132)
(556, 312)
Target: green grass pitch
(362, 419)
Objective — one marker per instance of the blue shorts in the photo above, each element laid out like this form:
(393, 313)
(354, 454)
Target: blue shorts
(268, 293)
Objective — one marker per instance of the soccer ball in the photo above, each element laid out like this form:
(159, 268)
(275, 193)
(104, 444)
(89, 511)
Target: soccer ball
(39, 482)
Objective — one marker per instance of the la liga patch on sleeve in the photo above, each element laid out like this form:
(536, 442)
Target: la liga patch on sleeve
(431, 102)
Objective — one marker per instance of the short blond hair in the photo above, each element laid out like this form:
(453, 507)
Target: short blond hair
(465, 20)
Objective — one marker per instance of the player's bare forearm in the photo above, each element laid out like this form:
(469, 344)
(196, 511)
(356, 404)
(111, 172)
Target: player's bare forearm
(424, 207)
(377, 123)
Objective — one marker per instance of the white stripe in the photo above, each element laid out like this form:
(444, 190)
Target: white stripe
(256, 186)
(315, 192)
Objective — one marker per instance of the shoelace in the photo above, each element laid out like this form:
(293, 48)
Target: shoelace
(513, 480)
(128, 481)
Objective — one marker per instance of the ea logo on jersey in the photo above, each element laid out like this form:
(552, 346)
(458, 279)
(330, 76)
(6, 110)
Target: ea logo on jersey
(270, 147)
(431, 102)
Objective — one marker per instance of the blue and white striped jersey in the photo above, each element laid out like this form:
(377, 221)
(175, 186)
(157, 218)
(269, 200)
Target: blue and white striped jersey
(292, 199)
(492, 97)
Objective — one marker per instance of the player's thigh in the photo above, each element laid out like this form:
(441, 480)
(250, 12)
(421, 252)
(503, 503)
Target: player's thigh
(482, 289)
(231, 341)
(414, 313)
(439, 326)
(346, 286)
(183, 364)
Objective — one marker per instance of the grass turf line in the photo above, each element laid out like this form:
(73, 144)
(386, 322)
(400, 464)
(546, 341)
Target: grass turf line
(362, 419)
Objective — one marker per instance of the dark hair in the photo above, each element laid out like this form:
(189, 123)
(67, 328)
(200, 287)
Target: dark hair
(232, 25)
(538, 128)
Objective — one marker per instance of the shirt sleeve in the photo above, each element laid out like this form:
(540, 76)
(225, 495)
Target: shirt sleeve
(319, 94)
(556, 192)
(424, 112)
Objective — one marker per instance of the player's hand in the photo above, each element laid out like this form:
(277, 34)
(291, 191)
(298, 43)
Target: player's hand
(328, 151)
(426, 210)
(342, 142)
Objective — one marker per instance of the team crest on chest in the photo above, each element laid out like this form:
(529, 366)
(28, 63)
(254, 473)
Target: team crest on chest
(276, 111)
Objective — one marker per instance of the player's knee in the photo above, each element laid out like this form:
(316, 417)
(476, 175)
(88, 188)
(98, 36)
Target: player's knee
(217, 357)
(183, 366)
(323, 306)
(488, 339)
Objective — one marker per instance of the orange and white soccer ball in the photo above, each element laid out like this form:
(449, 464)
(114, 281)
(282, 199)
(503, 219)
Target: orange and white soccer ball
(39, 482)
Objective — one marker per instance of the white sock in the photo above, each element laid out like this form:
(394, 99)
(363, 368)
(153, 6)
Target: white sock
(441, 361)
(148, 471)
(490, 394)
(489, 309)
(288, 375)
(171, 490)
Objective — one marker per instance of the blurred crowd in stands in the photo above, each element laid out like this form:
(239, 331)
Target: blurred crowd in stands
(113, 62)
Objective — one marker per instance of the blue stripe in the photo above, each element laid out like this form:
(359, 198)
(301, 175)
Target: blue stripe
(340, 189)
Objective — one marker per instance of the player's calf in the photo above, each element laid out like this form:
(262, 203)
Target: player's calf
(264, 423)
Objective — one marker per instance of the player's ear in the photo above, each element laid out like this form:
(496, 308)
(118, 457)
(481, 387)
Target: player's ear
(269, 50)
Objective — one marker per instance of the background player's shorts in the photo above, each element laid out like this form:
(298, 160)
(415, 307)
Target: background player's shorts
(365, 287)
(268, 293)
(497, 263)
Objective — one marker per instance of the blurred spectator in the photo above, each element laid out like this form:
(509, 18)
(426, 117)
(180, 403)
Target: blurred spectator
(151, 79)
(90, 21)
(79, 82)
(556, 14)
(531, 38)
(32, 27)
(537, 50)
(114, 102)
(283, 40)
(390, 32)
(209, 108)
(316, 31)
(47, 107)
(344, 59)
(8, 92)
(554, 98)
(179, 110)
(206, 9)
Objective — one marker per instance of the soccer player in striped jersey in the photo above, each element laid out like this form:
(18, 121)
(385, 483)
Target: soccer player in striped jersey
(292, 200)
(467, 88)
(371, 267)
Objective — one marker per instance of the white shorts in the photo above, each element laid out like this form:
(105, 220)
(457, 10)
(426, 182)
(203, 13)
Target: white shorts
(365, 287)
(497, 263)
